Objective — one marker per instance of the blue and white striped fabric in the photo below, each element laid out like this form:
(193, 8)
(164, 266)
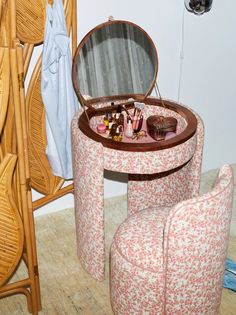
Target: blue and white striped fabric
(57, 91)
(230, 275)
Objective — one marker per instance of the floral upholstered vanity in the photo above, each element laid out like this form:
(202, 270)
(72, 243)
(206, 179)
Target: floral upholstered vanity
(160, 172)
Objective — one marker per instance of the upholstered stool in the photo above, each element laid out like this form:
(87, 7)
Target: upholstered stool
(137, 265)
(171, 260)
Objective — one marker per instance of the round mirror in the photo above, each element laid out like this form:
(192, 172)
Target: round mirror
(115, 58)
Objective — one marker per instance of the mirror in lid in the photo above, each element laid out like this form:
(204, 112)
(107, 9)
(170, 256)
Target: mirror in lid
(115, 59)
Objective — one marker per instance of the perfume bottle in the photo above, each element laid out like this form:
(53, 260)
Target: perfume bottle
(110, 120)
(129, 128)
(118, 134)
(112, 106)
(113, 129)
(120, 116)
(107, 120)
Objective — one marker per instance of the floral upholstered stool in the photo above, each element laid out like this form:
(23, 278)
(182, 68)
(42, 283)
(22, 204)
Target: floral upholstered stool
(171, 260)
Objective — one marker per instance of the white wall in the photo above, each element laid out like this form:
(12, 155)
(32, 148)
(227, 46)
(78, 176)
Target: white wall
(208, 80)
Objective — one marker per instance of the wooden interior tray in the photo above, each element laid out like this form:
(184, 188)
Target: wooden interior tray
(186, 128)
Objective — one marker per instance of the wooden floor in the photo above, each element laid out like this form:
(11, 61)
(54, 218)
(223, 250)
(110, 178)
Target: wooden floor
(65, 287)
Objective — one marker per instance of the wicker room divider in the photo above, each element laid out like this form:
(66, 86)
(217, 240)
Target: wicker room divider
(29, 29)
(17, 235)
(23, 143)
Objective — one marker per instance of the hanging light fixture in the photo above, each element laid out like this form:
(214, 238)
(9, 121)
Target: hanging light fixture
(198, 6)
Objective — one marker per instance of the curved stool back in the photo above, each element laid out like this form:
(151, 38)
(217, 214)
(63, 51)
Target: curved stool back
(195, 249)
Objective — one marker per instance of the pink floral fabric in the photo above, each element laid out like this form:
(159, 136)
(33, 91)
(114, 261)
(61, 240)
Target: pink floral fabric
(140, 238)
(88, 192)
(195, 248)
(171, 260)
(90, 159)
(168, 189)
(136, 264)
(134, 289)
(149, 162)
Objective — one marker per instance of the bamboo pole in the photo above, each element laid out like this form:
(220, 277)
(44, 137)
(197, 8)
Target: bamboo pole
(17, 290)
(49, 198)
(33, 273)
(4, 23)
(74, 27)
(26, 160)
(12, 8)
(22, 283)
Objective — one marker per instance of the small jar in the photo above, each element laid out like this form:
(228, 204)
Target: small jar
(101, 128)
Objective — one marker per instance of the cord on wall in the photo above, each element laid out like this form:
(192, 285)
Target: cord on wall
(181, 55)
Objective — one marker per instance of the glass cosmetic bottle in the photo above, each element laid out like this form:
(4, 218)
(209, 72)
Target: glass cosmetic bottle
(107, 120)
(129, 128)
(112, 106)
(120, 116)
(118, 134)
(110, 121)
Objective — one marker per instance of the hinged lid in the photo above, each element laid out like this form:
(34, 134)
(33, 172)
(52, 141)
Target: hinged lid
(115, 61)
(115, 58)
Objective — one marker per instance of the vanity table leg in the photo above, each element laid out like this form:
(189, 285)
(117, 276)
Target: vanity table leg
(89, 213)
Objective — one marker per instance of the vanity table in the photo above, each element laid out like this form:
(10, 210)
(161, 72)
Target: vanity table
(116, 62)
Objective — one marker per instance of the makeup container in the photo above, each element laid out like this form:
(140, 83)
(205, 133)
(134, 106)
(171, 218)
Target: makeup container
(101, 128)
(119, 116)
(159, 126)
(108, 120)
(129, 128)
(137, 120)
(113, 130)
(118, 134)
(113, 112)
